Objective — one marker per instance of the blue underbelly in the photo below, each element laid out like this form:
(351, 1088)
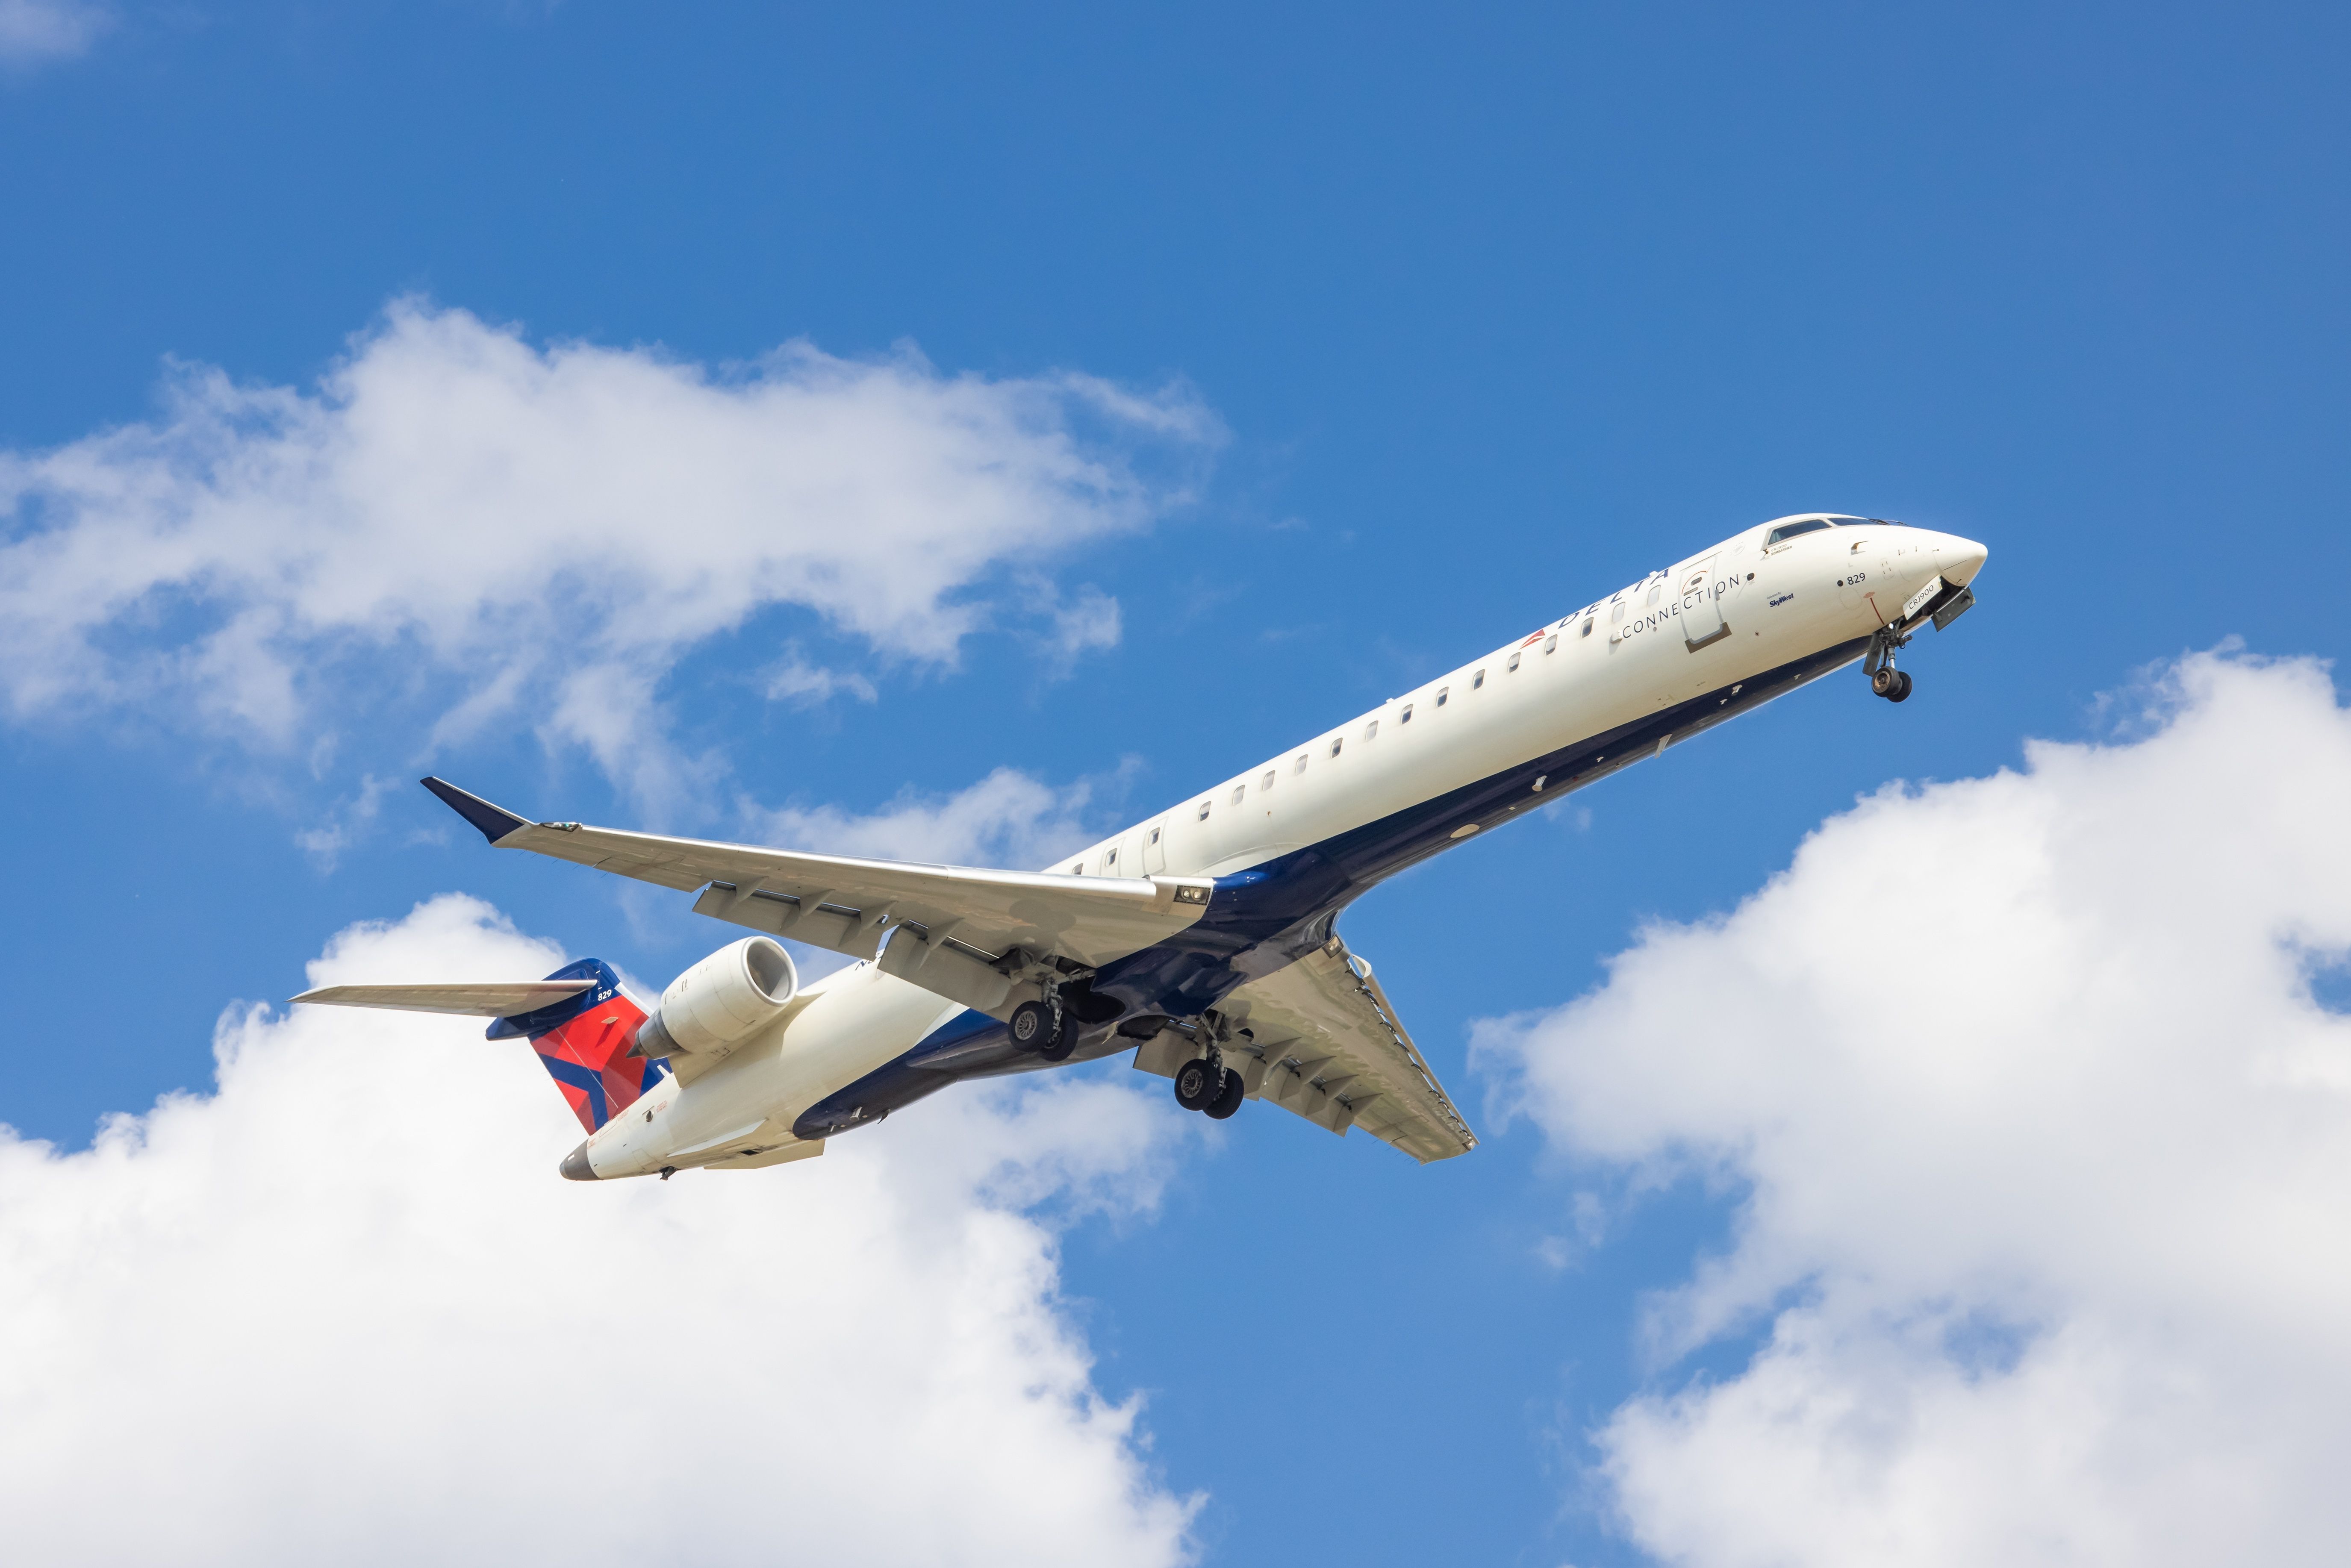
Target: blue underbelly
(1264, 918)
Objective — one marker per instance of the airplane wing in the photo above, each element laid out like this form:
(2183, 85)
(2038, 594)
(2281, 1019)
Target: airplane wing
(503, 1000)
(968, 918)
(1323, 1042)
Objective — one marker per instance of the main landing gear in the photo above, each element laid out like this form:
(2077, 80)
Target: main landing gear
(1044, 1027)
(1206, 1084)
(1888, 682)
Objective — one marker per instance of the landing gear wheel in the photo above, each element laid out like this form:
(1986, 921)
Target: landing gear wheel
(1032, 1026)
(1901, 686)
(1883, 679)
(1196, 1084)
(1229, 1099)
(1040, 1027)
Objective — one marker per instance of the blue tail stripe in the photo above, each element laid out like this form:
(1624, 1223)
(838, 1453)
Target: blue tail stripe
(607, 985)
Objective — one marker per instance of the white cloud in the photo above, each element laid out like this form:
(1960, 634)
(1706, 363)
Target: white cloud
(1091, 621)
(33, 32)
(345, 1310)
(325, 845)
(1007, 819)
(2045, 1147)
(794, 680)
(506, 533)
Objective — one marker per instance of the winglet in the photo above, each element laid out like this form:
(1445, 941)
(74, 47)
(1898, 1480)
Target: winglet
(496, 821)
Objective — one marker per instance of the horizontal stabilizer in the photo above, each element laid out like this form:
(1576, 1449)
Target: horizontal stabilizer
(507, 998)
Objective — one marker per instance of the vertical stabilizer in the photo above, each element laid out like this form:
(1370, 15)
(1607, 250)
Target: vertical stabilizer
(584, 1042)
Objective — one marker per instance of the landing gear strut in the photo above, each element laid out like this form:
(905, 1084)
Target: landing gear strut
(1888, 682)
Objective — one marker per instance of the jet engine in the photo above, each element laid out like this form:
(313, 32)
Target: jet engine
(722, 1001)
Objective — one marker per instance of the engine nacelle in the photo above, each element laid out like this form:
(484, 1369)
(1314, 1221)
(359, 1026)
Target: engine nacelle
(722, 1001)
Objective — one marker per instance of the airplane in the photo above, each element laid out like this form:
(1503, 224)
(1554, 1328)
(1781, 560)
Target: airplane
(1204, 937)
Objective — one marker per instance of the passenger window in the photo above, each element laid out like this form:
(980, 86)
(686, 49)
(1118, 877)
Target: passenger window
(1267, 782)
(1781, 535)
(1660, 587)
(1079, 868)
(1336, 744)
(1478, 682)
(1587, 627)
(1442, 692)
(1300, 765)
(1239, 790)
(1514, 664)
(1371, 730)
(1407, 715)
(1110, 859)
(1155, 835)
(1550, 644)
(1204, 810)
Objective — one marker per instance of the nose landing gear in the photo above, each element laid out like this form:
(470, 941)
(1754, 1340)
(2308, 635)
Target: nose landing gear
(1888, 682)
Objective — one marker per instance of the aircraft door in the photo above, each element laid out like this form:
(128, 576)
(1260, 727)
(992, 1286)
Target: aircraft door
(1155, 849)
(1702, 622)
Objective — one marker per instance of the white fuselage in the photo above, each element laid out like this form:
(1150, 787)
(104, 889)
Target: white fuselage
(1750, 611)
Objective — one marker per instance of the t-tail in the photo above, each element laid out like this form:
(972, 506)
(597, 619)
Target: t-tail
(584, 1043)
(579, 1019)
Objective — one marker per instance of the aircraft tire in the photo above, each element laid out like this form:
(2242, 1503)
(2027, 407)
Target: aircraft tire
(1031, 1026)
(1229, 1099)
(1058, 1047)
(1196, 1084)
(1882, 681)
(1901, 691)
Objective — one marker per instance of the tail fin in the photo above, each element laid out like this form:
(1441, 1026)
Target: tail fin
(584, 1042)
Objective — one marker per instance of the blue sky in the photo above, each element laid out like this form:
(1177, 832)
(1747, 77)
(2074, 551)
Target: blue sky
(1379, 335)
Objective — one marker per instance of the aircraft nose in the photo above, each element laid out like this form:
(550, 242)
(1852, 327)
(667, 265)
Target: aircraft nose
(1960, 559)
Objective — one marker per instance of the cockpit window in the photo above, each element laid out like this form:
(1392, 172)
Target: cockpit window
(1787, 531)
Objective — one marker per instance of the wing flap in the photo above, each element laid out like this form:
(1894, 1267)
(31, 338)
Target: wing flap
(1329, 1048)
